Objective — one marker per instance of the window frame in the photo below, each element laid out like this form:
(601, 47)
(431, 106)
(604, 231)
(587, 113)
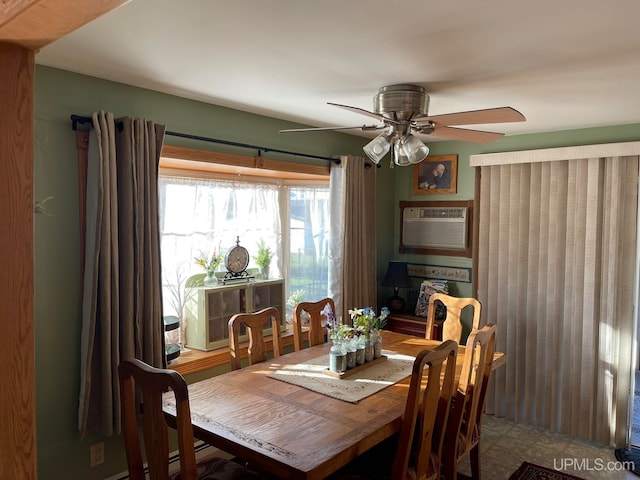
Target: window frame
(186, 161)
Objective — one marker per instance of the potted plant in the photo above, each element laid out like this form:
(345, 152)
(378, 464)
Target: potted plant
(263, 258)
(292, 302)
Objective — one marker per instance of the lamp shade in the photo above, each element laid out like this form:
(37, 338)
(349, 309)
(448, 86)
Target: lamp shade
(377, 148)
(399, 156)
(414, 149)
(397, 275)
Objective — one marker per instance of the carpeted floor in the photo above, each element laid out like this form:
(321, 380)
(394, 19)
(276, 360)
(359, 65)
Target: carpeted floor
(505, 445)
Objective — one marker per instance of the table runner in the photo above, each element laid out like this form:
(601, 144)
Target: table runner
(352, 388)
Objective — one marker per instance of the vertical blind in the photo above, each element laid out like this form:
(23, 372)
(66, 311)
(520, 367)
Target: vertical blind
(556, 267)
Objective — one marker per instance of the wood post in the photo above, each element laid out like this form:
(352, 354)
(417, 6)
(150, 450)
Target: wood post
(17, 355)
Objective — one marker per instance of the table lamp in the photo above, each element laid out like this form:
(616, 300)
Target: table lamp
(397, 277)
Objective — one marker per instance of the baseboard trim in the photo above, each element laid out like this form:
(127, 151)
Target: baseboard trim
(202, 450)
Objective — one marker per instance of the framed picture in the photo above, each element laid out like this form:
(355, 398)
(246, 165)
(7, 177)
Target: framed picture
(436, 175)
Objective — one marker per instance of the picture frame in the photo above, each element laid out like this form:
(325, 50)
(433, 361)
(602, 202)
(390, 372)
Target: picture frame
(436, 175)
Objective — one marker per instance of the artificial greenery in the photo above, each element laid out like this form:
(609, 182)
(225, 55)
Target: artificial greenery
(263, 258)
(295, 298)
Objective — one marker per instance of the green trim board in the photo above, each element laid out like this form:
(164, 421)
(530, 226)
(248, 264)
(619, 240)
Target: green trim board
(457, 274)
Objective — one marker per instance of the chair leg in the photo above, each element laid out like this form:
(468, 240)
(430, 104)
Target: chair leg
(450, 469)
(475, 462)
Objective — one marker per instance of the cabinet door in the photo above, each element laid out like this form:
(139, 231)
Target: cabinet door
(208, 329)
(221, 306)
(269, 294)
(208, 325)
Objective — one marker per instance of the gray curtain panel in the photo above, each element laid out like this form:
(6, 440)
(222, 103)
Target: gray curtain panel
(122, 296)
(352, 273)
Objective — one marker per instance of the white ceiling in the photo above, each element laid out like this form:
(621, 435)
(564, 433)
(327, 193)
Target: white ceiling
(564, 64)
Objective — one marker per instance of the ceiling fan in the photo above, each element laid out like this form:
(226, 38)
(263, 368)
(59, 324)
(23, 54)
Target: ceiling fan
(403, 111)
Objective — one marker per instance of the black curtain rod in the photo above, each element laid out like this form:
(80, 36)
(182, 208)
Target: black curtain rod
(78, 119)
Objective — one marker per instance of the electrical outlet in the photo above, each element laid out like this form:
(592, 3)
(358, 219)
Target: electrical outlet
(96, 453)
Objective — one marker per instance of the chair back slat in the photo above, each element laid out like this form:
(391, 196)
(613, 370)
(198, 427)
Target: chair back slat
(317, 320)
(153, 382)
(423, 425)
(452, 326)
(255, 324)
(464, 425)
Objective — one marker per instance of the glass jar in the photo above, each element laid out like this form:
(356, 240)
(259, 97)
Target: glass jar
(352, 348)
(368, 349)
(338, 357)
(360, 348)
(376, 340)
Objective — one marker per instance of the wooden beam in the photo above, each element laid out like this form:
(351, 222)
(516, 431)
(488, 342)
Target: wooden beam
(17, 355)
(36, 23)
(25, 25)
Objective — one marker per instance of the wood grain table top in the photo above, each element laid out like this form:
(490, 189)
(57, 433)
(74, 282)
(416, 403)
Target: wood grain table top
(292, 432)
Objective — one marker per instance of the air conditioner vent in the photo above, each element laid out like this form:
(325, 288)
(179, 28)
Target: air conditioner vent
(435, 227)
(443, 212)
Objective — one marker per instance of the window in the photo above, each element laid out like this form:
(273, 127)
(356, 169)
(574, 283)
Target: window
(309, 241)
(203, 213)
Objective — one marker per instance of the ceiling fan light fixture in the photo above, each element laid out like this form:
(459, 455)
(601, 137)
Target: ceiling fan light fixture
(400, 158)
(377, 148)
(403, 109)
(413, 148)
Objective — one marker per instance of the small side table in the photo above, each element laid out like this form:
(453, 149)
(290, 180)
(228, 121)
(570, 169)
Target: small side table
(411, 325)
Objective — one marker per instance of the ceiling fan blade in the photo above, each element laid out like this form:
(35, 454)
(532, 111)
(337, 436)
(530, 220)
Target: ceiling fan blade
(318, 129)
(465, 134)
(475, 117)
(364, 112)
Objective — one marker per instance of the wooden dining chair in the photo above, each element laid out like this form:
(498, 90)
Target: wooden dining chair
(463, 431)
(452, 326)
(152, 382)
(424, 422)
(255, 323)
(317, 321)
(417, 451)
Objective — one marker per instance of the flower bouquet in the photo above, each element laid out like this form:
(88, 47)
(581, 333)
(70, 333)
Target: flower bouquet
(209, 264)
(368, 325)
(366, 321)
(341, 335)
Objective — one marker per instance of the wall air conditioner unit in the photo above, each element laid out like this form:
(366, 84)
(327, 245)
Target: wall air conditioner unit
(436, 228)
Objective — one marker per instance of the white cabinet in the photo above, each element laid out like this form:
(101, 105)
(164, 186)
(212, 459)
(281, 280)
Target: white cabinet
(210, 308)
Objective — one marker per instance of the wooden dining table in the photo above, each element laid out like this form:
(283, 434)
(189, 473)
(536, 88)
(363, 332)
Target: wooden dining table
(290, 431)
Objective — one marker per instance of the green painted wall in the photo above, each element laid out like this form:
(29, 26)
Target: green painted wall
(466, 187)
(466, 174)
(59, 94)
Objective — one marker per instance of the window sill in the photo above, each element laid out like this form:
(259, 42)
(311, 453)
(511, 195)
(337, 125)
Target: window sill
(193, 361)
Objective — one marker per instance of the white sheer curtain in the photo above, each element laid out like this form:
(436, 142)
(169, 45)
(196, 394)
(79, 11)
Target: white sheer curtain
(557, 243)
(306, 218)
(337, 186)
(203, 216)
